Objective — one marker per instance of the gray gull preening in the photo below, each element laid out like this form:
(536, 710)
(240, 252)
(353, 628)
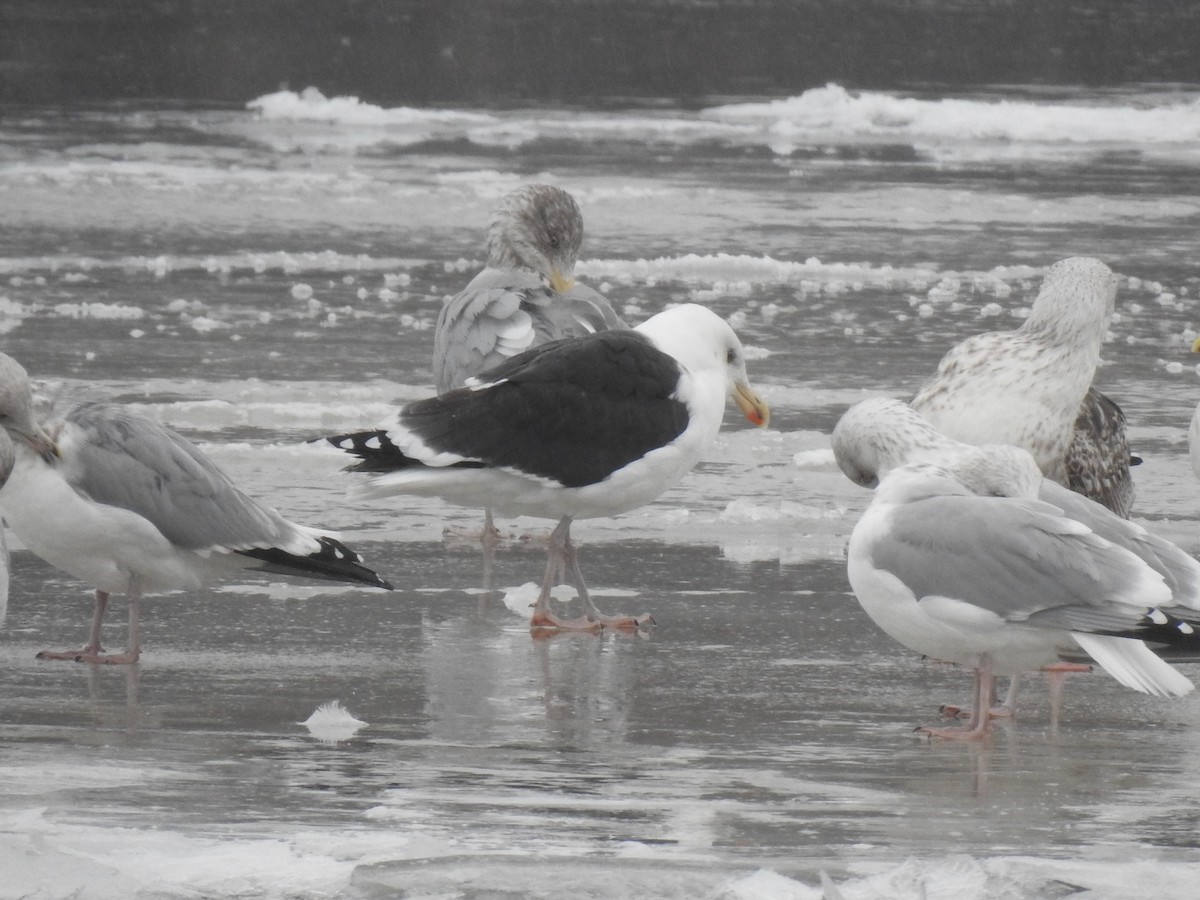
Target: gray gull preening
(526, 295)
(1031, 387)
(877, 435)
(962, 562)
(574, 429)
(129, 506)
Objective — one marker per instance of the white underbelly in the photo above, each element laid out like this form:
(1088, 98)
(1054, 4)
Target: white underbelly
(107, 547)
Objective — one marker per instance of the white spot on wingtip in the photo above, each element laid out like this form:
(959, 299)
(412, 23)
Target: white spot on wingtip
(1185, 628)
(372, 443)
(1158, 617)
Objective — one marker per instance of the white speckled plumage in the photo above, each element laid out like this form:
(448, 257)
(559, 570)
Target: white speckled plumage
(1030, 387)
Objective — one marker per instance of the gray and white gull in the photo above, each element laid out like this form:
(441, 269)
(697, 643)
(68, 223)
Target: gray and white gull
(130, 506)
(968, 554)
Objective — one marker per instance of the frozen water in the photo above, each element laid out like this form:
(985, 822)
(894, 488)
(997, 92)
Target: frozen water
(256, 278)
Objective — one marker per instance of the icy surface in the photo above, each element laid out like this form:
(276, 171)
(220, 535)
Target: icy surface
(257, 278)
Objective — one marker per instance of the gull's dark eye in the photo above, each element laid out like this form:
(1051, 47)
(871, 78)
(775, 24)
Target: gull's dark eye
(554, 240)
(730, 356)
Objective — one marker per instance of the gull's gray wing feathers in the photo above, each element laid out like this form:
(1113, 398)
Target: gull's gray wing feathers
(1018, 558)
(504, 312)
(1180, 570)
(122, 459)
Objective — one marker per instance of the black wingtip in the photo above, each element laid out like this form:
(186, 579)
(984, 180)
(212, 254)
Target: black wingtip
(333, 562)
(1173, 630)
(374, 449)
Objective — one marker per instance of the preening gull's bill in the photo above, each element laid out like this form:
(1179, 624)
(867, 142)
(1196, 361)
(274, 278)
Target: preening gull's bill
(962, 562)
(129, 506)
(525, 297)
(1032, 387)
(574, 429)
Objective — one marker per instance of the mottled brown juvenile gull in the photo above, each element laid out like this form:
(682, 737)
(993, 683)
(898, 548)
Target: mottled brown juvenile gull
(129, 506)
(1031, 387)
(962, 562)
(1099, 459)
(575, 429)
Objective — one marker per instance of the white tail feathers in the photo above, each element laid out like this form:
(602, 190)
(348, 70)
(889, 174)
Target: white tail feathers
(1133, 664)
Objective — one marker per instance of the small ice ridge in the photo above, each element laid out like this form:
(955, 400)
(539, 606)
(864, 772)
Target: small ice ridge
(331, 723)
(941, 128)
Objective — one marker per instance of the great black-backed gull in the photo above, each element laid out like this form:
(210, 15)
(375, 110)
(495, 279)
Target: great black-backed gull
(962, 562)
(1032, 387)
(525, 297)
(129, 506)
(574, 429)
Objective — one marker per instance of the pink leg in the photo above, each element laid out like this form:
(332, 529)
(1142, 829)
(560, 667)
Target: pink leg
(558, 547)
(92, 651)
(563, 558)
(1056, 677)
(488, 536)
(995, 708)
(977, 727)
(1066, 668)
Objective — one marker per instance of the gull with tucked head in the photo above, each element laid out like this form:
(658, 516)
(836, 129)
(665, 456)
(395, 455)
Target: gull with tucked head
(960, 557)
(130, 506)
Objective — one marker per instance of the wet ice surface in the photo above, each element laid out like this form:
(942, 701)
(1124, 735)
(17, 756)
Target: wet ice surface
(255, 280)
